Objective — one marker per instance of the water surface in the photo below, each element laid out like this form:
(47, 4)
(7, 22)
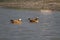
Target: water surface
(48, 27)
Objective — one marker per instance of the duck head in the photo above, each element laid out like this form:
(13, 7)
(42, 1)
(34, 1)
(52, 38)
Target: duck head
(19, 19)
(36, 18)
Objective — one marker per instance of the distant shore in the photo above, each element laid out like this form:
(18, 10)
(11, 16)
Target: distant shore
(31, 5)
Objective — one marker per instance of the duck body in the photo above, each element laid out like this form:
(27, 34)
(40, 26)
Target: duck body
(35, 20)
(16, 21)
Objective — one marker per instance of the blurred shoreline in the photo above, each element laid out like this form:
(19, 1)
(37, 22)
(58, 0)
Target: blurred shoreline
(32, 5)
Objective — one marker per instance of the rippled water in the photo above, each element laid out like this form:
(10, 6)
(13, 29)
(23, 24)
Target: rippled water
(48, 27)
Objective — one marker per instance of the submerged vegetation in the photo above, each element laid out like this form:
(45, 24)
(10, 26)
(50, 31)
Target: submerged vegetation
(31, 4)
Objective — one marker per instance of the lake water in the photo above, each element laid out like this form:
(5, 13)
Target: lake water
(48, 27)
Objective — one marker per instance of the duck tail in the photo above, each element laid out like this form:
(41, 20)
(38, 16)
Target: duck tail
(28, 18)
(11, 20)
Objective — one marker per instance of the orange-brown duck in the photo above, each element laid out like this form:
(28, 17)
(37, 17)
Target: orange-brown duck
(35, 20)
(19, 21)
